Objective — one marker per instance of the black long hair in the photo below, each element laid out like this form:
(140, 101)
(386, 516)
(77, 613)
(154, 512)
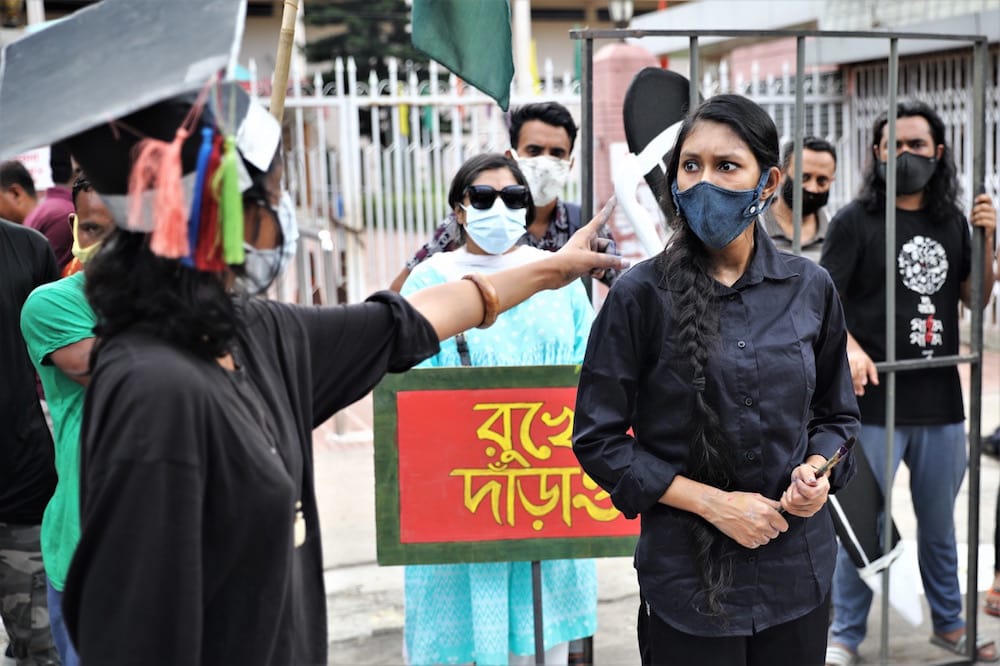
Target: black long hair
(943, 189)
(685, 266)
(129, 287)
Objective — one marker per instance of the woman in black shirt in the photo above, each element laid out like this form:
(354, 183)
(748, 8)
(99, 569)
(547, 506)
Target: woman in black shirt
(715, 383)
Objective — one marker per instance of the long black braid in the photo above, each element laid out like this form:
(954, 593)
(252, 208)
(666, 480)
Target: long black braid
(685, 267)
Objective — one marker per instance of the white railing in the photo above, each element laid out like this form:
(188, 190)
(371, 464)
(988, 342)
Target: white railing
(369, 162)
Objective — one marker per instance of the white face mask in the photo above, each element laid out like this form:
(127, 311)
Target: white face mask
(262, 267)
(546, 176)
(496, 229)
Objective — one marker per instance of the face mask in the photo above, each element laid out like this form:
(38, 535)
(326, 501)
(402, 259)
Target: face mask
(262, 267)
(913, 172)
(546, 176)
(83, 254)
(811, 201)
(717, 215)
(497, 229)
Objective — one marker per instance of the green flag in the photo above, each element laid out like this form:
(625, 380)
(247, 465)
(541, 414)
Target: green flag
(471, 38)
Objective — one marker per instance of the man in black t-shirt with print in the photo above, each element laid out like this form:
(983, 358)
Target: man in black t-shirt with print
(933, 270)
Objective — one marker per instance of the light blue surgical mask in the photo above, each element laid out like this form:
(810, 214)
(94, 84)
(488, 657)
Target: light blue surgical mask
(717, 215)
(496, 229)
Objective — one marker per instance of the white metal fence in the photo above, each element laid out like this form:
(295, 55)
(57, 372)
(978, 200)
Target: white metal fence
(370, 161)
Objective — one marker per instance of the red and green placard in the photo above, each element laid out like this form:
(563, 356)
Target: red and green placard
(476, 465)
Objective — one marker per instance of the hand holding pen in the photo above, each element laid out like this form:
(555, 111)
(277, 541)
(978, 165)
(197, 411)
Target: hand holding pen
(807, 493)
(832, 462)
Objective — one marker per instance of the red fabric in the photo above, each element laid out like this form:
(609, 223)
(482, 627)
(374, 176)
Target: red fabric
(208, 255)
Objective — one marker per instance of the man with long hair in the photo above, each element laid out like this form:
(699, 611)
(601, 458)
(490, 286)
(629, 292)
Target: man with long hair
(933, 258)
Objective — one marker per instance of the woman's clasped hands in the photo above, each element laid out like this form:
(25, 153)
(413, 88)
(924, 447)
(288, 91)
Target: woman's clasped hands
(753, 520)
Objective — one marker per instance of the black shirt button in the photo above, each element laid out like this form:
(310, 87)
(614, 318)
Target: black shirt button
(751, 559)
(741, 344)
(751, 456)
(748, 402)
(732, 297)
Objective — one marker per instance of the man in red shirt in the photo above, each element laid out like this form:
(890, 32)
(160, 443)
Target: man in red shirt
(51, 215)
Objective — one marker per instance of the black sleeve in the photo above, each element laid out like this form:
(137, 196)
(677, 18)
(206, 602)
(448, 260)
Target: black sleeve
(835, 417)
(605, 402)
(353, 346)
(841, 249)
(965, 240)
(49, 267)
(142, 493)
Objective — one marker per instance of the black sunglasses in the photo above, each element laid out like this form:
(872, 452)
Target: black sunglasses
(483, 196)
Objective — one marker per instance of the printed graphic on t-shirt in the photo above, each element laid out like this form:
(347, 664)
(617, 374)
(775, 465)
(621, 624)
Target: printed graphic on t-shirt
(923, 267)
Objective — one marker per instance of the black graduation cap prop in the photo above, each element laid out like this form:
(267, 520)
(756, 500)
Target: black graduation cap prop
(656, 103)
(134, 88)
(109, 60)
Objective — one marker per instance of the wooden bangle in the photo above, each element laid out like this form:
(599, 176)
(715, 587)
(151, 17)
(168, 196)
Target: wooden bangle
(491, 301)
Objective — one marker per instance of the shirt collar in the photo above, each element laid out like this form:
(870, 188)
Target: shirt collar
(775, 231)
(767, 263)
(59, 192)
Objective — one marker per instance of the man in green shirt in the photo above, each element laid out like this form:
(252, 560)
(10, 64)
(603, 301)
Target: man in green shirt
(58, 328)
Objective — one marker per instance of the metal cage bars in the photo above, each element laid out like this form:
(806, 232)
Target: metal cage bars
(891, 366)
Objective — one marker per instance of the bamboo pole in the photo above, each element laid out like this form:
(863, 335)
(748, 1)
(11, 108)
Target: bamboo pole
(284, 57)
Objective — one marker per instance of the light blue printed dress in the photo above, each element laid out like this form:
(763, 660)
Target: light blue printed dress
(464, 613)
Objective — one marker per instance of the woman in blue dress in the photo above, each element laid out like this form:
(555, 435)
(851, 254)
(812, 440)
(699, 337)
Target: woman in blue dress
(482, 613)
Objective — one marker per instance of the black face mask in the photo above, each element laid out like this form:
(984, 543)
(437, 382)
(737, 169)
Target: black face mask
(913, 172)
(811, 201)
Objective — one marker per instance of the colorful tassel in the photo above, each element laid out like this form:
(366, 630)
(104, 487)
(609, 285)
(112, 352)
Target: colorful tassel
(194, 217)
(226, 185)
(157, 166)
(209, 252)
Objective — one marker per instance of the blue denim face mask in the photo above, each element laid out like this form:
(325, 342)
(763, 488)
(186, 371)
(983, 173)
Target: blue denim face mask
(717, 215)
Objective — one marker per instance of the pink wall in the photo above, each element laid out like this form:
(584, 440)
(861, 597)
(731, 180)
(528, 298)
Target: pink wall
(614, 67)
(770, 58)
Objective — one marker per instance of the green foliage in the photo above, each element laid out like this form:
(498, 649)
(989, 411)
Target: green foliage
(370, 31)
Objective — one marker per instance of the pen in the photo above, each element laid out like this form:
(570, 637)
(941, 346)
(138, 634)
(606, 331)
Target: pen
(832, 462)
